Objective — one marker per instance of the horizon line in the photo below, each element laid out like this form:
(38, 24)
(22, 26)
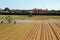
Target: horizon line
(28, 8)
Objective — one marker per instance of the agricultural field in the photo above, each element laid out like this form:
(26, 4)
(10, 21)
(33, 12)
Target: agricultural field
(40, 28)
(34, 17)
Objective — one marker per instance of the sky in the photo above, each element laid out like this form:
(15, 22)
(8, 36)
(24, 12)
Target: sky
(30, 4)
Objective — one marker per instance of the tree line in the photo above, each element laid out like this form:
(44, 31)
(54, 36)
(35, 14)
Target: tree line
(25, 11)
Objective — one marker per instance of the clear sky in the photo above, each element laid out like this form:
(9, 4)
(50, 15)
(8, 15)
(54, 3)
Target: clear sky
(30, 4)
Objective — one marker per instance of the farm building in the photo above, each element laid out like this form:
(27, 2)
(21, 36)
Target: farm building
(39, 10)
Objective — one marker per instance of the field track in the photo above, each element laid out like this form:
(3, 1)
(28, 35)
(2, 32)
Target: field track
(43, 30)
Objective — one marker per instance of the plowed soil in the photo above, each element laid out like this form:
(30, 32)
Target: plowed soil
(42, 30)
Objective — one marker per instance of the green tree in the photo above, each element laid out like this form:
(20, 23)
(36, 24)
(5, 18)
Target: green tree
(6, 9)
(25, 11)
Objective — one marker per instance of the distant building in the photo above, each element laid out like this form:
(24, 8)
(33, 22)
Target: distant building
(0, 10)
(5, 11)
(39, 10)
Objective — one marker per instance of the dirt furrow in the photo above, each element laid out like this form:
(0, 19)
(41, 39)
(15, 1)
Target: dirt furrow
(9, 35)
(20, 33)
(43, 32)
(46, 31)
(57, 22)
(56, 28)
(39, 32)
(44, 35)
(50, 37)
(6, 29)
(28, 34)
(53, 32)
(38, 27)
(33, 33)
